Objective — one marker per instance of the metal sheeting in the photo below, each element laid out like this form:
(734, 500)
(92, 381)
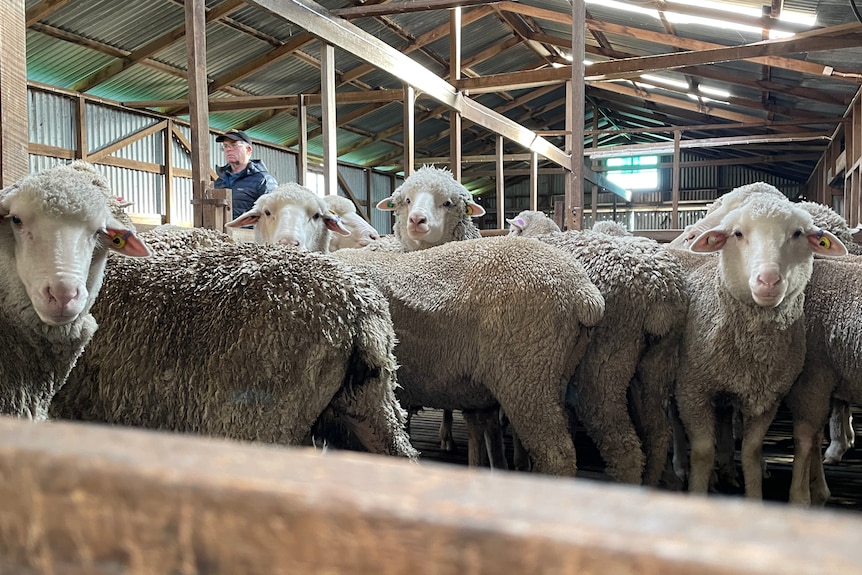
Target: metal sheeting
(106, 125)
(51, 119)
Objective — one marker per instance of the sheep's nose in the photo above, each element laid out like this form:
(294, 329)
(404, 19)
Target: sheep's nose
(289, 242)
(374, 236)
(418, 219)
(769, 278)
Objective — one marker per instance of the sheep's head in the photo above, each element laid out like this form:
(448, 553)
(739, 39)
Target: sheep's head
(766, 249)
(362, 233)
(431, 208)
(531, 223)
(292, 215)
(57, 227)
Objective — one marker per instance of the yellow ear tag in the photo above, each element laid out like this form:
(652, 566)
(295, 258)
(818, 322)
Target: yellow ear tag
(118, 240)
(825, 243)
(469, 210)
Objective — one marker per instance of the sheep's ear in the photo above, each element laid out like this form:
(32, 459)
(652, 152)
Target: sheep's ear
(826, 244)
(249, 218)
(709, 241)
(333, 222)
(124, 241)
(517, 224)
(474, 210)
(386, 204)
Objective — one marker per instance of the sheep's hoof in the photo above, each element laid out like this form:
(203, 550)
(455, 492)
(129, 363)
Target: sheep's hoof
(834, 454)
(448, 446)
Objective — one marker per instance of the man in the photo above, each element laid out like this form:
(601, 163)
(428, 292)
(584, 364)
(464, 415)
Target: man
(248, 179)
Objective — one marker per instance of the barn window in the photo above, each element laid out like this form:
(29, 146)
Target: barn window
(634, 172)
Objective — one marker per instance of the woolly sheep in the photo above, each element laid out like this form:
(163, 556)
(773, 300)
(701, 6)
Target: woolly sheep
(455, 306)
(361, 232)
(841, 421)
(833, 368)
(611, 228)
(291, 215)
(645, 303)
(531, 223)
(432, 208)
(260, 341)
(56, 234)
(745, 311)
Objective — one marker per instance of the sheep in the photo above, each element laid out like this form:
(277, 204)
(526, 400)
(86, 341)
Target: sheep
(54, 241)
(457, 305)
(744, 338)
(531, 223)
(841, 421)
(432, 208)
(633, 350)
(259, 341)
(169, 238)
(833, 368)
(361, 232)
(283, 216)
(611, 227)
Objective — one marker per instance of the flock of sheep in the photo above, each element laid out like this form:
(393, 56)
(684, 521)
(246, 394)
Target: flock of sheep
(320, 322)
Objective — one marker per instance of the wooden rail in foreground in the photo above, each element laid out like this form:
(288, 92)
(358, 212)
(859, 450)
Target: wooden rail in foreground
(82, 499)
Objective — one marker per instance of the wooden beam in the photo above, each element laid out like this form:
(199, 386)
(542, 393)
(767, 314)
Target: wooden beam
(101, 500)
(329, 121)
(196, 51)
(14, 129)
(42, 9)
(314, 19)
(664, 148)
(402, 7)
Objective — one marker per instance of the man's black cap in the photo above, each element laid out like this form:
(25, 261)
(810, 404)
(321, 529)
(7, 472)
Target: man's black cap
(237, 135)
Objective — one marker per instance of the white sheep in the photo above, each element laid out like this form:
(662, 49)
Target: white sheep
(240, 340)
(361, 232)
(56, 233)
(744, 339)
(633, 351)
(531, 223)
(292, 215)
(833, 368)
(487, 322)
(432, 208)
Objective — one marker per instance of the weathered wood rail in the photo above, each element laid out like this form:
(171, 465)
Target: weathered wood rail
(78, 499)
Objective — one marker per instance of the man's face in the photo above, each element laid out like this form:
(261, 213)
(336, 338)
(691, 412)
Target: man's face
(236, 152)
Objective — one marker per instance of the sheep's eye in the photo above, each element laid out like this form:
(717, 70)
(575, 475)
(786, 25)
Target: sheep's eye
(407, 201)
(16, 220)
(316, 216)
(737, 234)
(797, 233)
(267, 212)
(447, 203)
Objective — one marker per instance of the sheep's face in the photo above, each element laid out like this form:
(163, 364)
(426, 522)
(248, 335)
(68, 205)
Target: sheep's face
(361, 233)
(767, 249)
(428, 206)
(293, 216)
(61, 230)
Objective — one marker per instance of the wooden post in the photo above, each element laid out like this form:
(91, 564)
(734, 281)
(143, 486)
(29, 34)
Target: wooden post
(14, 136)
(215, 208)
(196, 52)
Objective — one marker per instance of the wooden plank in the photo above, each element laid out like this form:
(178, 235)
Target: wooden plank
(196, 53)
(97, 500)
(14, 163)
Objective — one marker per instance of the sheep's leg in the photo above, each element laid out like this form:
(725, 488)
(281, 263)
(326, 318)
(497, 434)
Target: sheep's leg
(520, 457)
(447, 441)
(752, 451)
(817, 477)
(680, 445)
(655, 375)
(840, 432)
(700, 428)
(804, 434)
(485, 435)
(602, 407)
(726, 448)
(542, 424)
